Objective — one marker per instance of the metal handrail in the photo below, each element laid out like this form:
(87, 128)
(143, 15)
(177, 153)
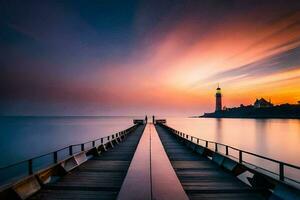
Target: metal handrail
(241, 152)
(70, 147)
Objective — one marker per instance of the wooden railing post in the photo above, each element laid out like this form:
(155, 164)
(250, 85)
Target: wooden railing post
(101, 140)
(281, 171)
(240, 156)
(93, 143)
(226, 150)
(197, 141)
(216, 147)
(30, 170)
(206, 144)
(82, 147)
(71, 150)
(55, 157)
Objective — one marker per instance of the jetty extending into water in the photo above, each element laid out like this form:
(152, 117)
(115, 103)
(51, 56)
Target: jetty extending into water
(147, 161)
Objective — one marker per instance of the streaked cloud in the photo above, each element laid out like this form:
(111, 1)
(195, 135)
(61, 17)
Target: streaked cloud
(136, 57)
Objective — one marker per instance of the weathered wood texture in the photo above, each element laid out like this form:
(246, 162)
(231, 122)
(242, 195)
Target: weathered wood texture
(98, 178)
(200, 177)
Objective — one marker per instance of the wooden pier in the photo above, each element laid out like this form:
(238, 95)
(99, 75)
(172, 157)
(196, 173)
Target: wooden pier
(99, 177)
(200, 177)
(146, 161)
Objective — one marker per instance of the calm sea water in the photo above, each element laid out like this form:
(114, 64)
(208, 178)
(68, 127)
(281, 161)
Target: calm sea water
(274, 138)
(25, 137)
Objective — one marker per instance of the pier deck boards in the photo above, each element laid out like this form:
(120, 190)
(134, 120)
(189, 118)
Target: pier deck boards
(98, 178)
(199, 176)
(151, 175)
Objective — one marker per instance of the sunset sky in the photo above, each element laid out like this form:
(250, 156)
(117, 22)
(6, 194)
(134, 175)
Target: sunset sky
(137, 57)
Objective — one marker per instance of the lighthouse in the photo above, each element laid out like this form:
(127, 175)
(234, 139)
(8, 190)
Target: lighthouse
(218, 99)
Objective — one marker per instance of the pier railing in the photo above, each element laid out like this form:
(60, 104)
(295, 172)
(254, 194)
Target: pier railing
(19, 170)
(240, 155)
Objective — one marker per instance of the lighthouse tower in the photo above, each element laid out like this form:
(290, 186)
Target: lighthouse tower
(218, 99)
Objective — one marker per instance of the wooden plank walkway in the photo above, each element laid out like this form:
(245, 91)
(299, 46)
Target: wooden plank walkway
(200, 177)
(151, 175)
(137, 184)
(98, 178)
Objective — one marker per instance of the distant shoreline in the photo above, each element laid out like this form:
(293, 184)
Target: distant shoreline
(64, 116)
(245, 117)
(285, 111)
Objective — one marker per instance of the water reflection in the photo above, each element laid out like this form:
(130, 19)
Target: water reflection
(260, 135)
(218, 130)
(274, 138)
(25, 137)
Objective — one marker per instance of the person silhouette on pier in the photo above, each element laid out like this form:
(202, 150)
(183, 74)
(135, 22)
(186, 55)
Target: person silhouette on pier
(146, 119)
